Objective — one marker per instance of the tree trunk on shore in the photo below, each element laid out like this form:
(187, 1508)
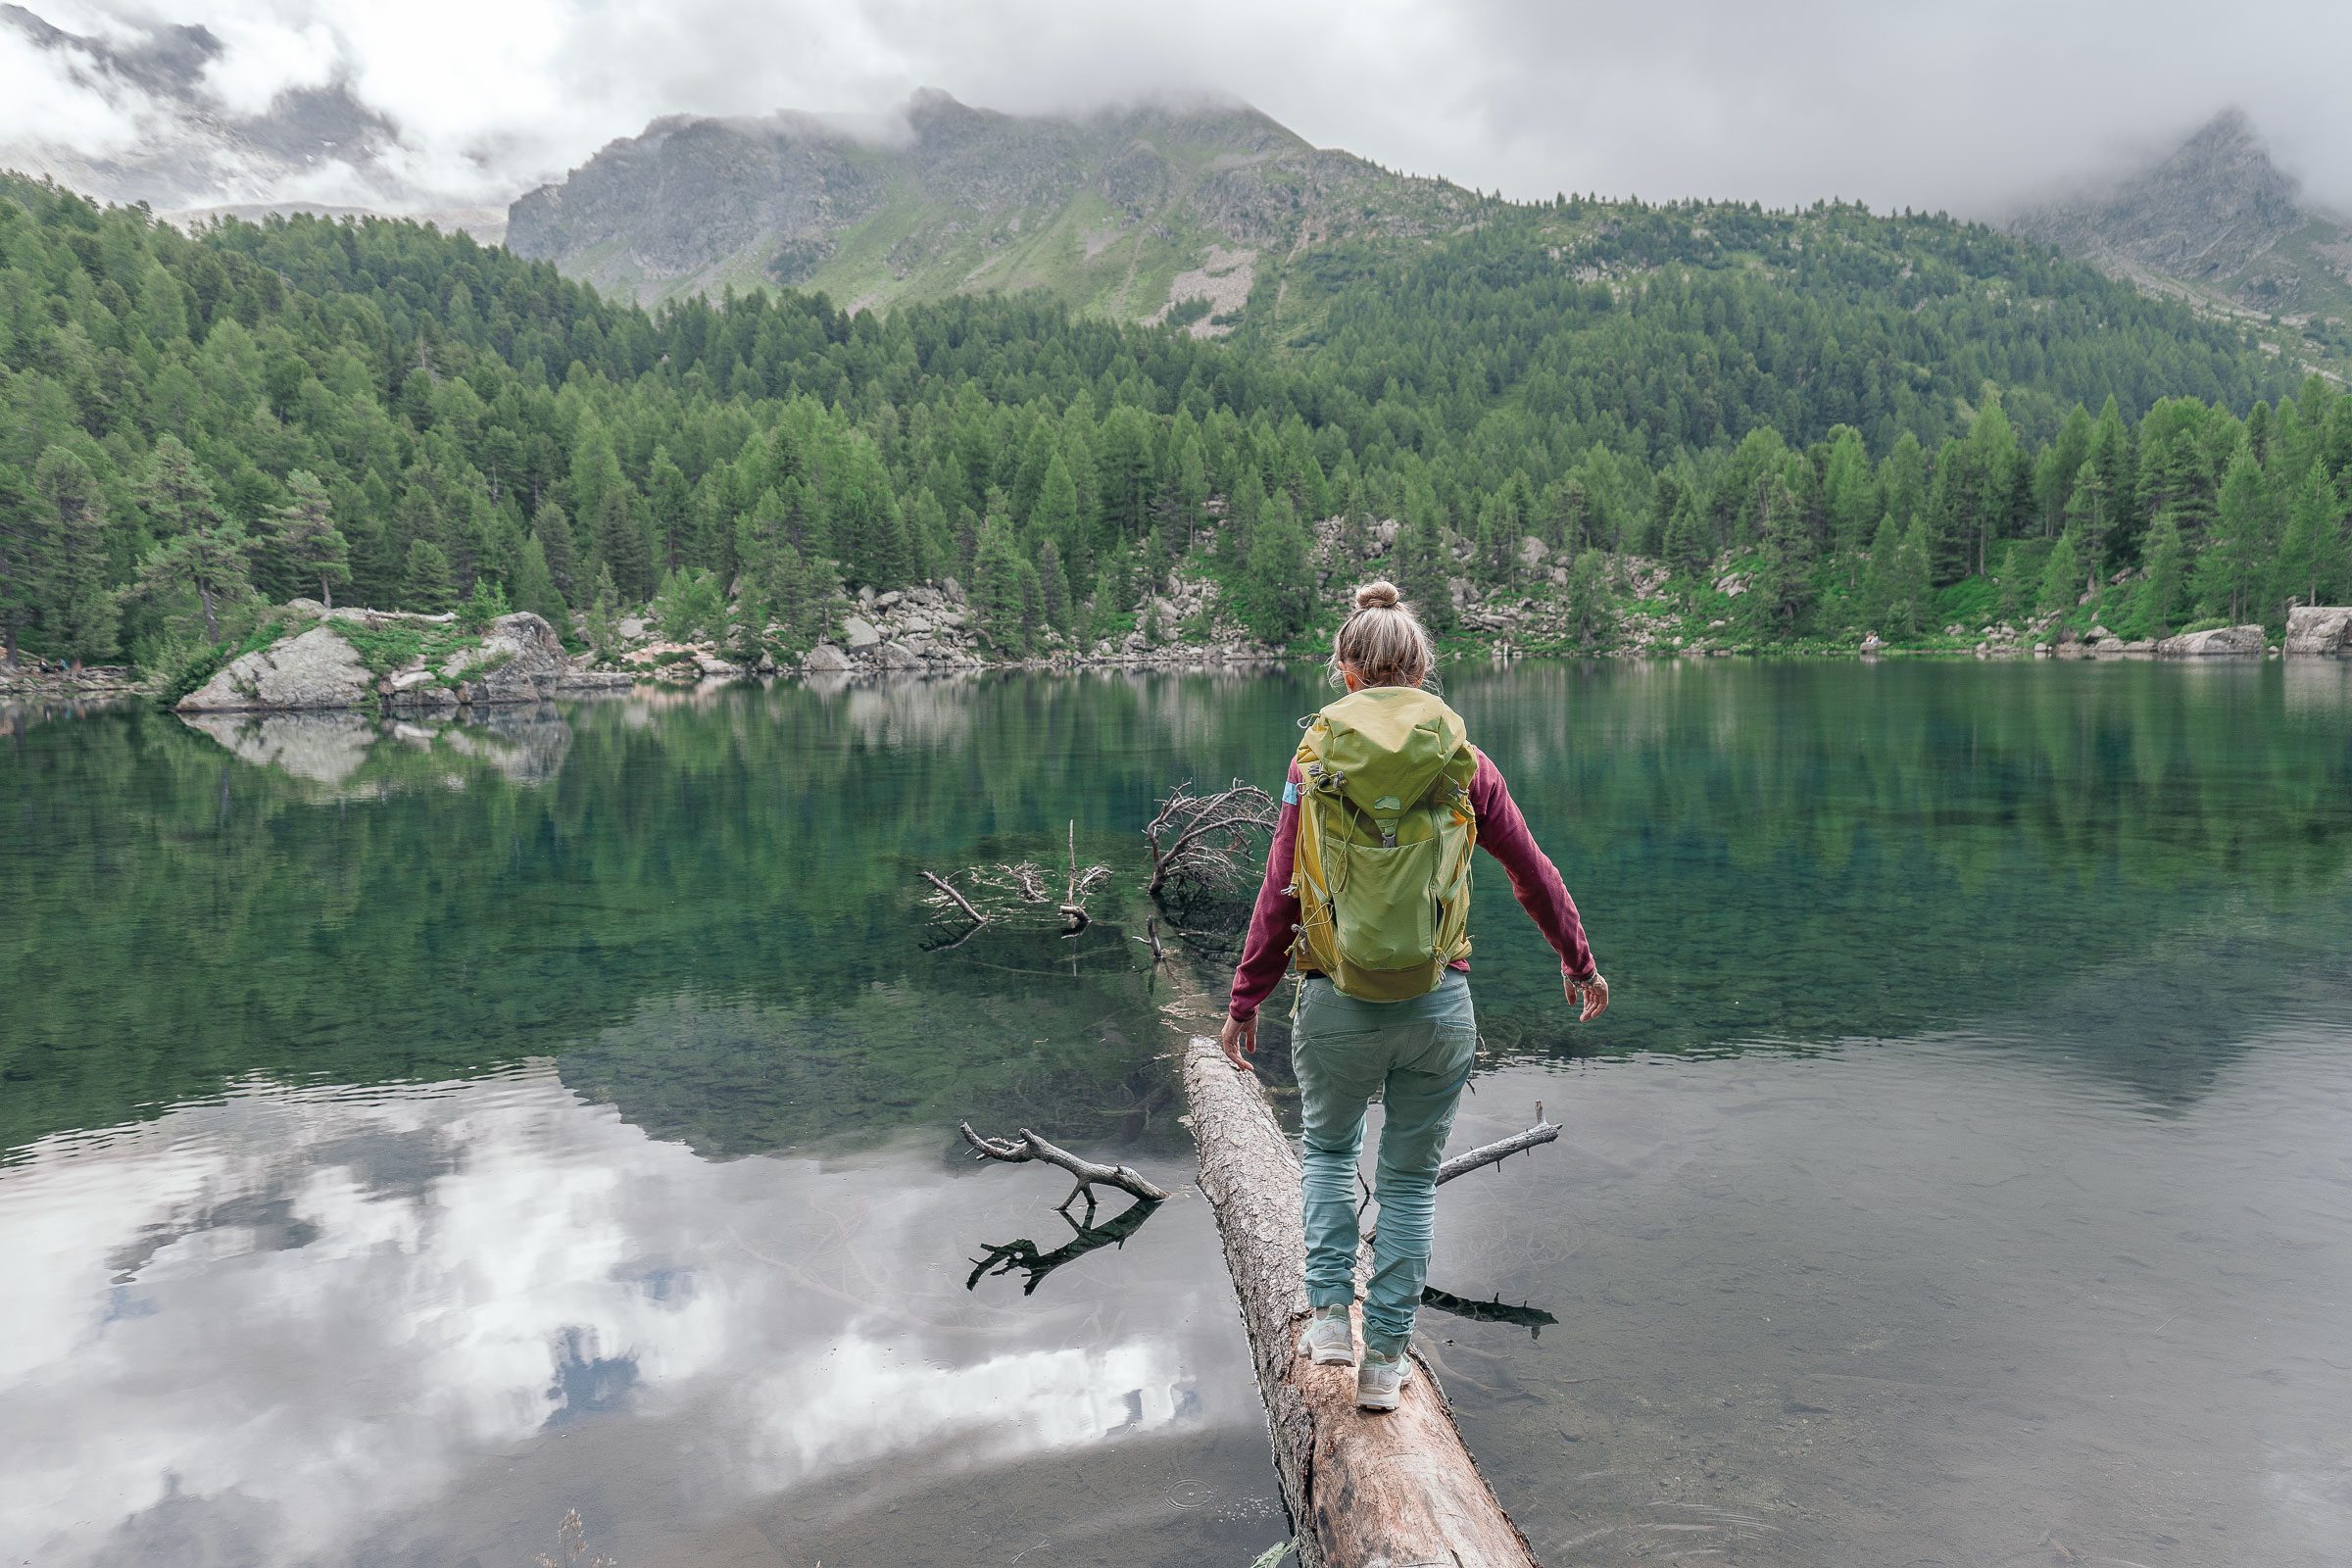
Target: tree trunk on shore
(1393, 1489)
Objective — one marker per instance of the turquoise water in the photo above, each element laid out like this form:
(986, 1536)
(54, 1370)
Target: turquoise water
(413, 1134)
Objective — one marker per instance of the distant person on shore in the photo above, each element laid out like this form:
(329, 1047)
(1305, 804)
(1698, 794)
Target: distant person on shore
(1367, 893)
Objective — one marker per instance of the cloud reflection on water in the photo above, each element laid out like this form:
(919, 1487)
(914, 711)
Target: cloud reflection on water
(294, 1317)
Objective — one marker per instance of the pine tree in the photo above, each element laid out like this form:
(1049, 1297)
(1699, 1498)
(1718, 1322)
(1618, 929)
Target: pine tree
(604, 616)
(1850, 493)
(1779, 597)
(80, 616)
(997, 605)
(535, 588)
(1055, 516)
(620, 546)
(1277, 596)
(1992, 463)
(1688, 548)
(26, 543)
(2232, 567)
(302, 541)
(200, 551)
(2307, 550)
(424, 580)
(1590, 617)
(551, 531)
(671, 499)
(2062, 576)
(2166, 556)
(1880, 588)
(1054, 584)
(1422, 561)
(2087, 518)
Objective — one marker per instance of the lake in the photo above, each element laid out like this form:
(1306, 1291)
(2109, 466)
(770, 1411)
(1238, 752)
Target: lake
(414, 1136)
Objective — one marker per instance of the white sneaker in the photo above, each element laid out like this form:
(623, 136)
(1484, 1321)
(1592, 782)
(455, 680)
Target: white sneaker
(1330, 1337)
(1380, 1381)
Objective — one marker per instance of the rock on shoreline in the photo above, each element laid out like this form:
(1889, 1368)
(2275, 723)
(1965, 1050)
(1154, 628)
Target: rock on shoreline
(2240, 641)
(2320, 629)
(518, 659)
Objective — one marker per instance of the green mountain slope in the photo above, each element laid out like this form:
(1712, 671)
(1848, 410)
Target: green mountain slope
(1119, 213)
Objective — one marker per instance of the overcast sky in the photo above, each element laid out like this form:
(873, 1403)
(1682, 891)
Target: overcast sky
(1896, 103)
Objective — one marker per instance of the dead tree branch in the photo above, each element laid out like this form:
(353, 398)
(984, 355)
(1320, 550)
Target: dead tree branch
(1209, 840)
(962, 902)
(1503, 1148)
(1006, 888)
(1028, 1146)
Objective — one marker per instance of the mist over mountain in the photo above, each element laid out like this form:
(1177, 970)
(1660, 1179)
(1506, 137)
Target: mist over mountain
(189, 147)
(2217, 218)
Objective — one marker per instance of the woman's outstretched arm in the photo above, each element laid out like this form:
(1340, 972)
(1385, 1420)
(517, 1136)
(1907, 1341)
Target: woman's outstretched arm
(1268, 952)
(1535, 881)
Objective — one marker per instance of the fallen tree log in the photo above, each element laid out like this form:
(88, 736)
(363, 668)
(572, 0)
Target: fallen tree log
(1395, 1489)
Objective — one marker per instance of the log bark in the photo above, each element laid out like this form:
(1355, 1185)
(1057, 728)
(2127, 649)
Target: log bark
(1392, 1489)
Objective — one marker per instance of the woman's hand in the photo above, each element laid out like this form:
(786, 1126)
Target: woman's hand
(1239, 1041)
(1592, 994)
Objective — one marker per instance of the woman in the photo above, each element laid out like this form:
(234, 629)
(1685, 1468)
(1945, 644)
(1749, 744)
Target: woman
(1414, 1054)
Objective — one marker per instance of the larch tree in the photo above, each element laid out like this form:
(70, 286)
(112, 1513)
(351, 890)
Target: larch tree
(301, 540)
(200, 551)
(79, 615)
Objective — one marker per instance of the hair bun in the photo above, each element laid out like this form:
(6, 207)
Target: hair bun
(1379, 595)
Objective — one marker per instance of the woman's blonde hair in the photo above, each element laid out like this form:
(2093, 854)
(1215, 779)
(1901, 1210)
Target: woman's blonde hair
(1382, 640)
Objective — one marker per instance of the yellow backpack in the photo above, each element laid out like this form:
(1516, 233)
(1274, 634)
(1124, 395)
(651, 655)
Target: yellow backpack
(1384, 835)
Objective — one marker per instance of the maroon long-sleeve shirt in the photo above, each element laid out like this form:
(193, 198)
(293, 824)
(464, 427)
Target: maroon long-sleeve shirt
(1502, 832)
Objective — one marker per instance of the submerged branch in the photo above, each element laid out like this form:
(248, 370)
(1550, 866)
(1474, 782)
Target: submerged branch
(1534, 1320)
(962, 902)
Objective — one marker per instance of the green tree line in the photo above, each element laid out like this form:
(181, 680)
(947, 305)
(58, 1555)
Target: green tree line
(1861, 412)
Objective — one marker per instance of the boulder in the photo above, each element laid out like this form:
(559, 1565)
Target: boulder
(2220, 642)
(824, 658)
(883, 602)
(858, 632)
(315, 671)
(714, 666)
(896, 656)
(2320, 629)
(521, 661)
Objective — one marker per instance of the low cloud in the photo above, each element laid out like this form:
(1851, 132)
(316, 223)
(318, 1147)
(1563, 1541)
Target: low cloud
(1970, 108)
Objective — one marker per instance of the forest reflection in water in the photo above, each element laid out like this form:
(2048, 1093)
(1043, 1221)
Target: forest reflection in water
(476, 1121)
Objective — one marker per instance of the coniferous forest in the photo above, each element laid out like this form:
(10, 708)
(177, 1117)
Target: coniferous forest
(1768, 428)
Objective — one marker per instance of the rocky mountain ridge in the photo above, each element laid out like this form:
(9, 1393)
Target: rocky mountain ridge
(2216, 219)
(1128, 211)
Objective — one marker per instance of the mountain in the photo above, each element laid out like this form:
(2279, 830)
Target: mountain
(1124, 213)
(191, 158)
(2216, 220)
(190, 150)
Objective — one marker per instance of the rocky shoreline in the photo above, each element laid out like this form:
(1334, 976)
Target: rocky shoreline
(401, 663)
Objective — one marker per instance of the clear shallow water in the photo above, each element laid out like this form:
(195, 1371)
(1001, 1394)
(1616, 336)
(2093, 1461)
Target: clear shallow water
(413, 1137)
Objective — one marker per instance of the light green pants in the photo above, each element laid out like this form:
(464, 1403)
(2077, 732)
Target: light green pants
(1415, 1056)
